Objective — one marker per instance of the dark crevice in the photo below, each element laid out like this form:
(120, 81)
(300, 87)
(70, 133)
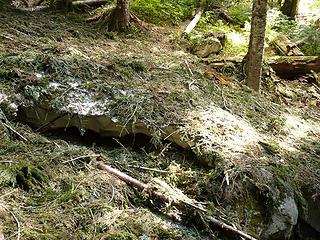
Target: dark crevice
(305, 231)
(90, 138)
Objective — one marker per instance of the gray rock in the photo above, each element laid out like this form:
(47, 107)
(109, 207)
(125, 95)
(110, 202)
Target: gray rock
(41, 116)
(283, 220)
(207, 47)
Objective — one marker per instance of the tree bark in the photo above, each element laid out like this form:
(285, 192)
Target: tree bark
(120, 17)
(256, 45)
(290, 8)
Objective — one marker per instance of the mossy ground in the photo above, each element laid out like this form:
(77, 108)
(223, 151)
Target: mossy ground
(236, 133)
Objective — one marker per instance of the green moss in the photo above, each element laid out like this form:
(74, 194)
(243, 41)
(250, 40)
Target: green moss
(270, 147)
(122, 236)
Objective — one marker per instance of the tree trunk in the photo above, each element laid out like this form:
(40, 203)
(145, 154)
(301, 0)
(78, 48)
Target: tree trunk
(120, 17)
(290, 8)
(256, 44)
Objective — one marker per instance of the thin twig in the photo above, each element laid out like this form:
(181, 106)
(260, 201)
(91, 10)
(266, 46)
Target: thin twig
(188, 67)
(164, 149)
(81, 157)
(8, 193)
(122, 146)
(148, 169)
(128, 120)
(10, 128)
(17, 221)
(6, 161)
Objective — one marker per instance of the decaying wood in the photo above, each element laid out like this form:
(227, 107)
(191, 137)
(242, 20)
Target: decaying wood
(287, 67)
(285, 47)
(221, 79)
(291, 67)
(164, 198)
(37, 3)
(194, 22)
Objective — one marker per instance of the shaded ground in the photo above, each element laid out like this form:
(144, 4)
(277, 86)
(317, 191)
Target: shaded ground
(235, 134)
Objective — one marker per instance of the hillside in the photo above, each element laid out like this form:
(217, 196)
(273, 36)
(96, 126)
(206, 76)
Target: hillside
(72, 93)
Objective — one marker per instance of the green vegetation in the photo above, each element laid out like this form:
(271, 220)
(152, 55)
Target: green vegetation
(306, 34)
(163, 12)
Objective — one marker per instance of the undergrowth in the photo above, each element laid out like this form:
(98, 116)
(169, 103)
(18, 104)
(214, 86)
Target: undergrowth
(163, 12)
(307, 35)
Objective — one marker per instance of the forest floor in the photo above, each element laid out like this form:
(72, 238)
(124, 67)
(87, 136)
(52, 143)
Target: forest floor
(50, 190)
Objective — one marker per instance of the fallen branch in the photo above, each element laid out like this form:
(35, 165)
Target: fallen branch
(285, 47)
(222, 14)
(81, 157)
(16, 219)
(148, 169)
(160, 196)
(14, 131)
(194, 22)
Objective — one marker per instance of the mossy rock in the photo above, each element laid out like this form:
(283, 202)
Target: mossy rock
(270, 147)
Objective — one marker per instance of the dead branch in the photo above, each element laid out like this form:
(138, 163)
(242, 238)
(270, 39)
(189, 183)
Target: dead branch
(285, 47)
(221, 79)
(135, 19)
(222, 14)
(194, 22)
(164, 198)
(14, 131)
(16, 219)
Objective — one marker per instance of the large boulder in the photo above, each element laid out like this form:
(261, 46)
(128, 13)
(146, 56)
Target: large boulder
(283, 220)
(207, 47)
(204, 45)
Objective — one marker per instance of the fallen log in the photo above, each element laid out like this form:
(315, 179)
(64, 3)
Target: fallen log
(194, 22)
(164, 198)
(285, 47)
(292, 67)
(286, 67)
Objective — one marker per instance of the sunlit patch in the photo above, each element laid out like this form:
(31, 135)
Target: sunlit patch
(216, 130)
(305, 7)
(296, 129)
(3, 97)
(236, 38)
